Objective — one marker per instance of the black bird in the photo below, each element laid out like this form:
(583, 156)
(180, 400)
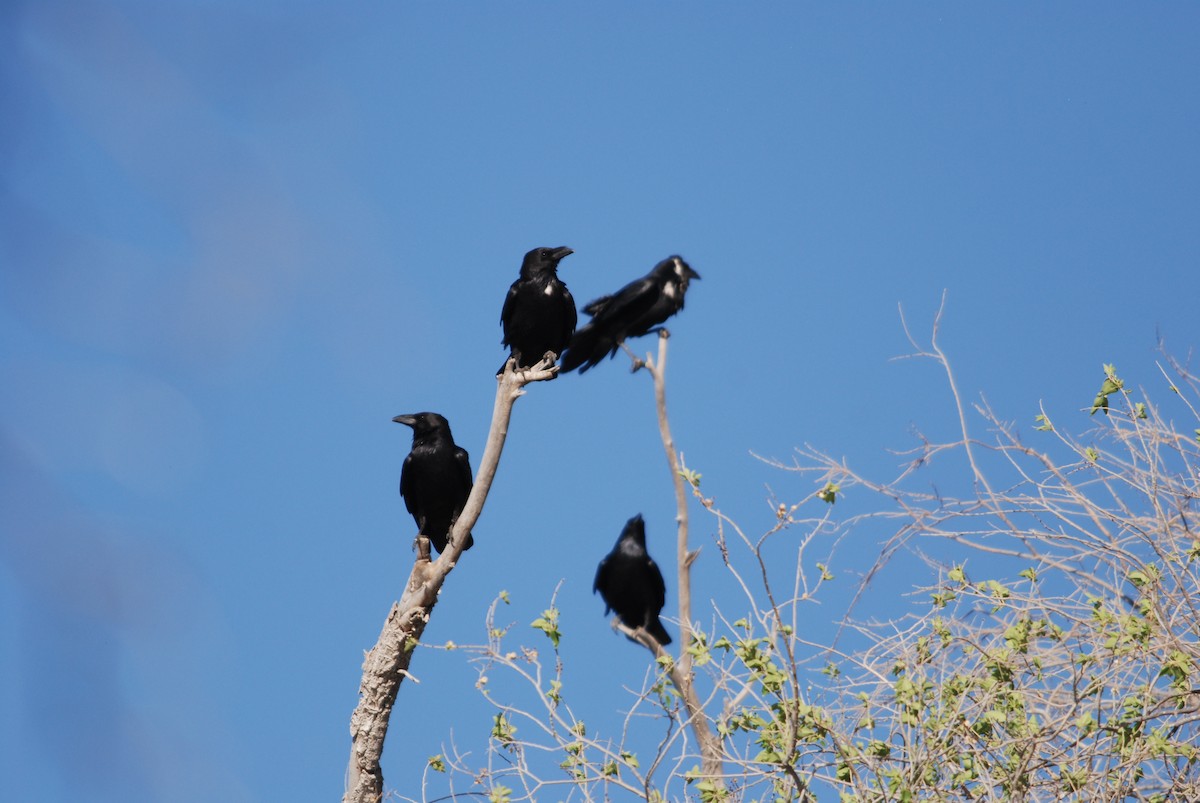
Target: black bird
(436, 478)
(634, 310)
(630, 583)
(539, 312)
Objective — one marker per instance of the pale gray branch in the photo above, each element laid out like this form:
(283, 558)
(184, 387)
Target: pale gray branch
(681, 668)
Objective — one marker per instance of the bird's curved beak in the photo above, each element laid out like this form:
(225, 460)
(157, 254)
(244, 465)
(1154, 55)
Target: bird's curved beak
(559, 253)
(685, 267)
(407, 420)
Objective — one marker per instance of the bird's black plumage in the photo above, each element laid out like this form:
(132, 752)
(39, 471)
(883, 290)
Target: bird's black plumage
(630, 583)
(539, 313)
(632, 311)
(436, 478)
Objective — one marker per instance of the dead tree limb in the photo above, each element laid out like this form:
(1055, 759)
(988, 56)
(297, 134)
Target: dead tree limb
(386, 665)
(680, 669)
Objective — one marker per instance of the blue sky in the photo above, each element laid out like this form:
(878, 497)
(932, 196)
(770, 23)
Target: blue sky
(236, 239)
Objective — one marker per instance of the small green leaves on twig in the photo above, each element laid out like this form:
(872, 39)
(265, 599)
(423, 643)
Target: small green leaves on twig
(1043, 423)
(502, 730)
(1144, 577)
(692, 478)
(436, 763)
(1178, 669)
(1112, 384)
(548, 624)
(828, 494)
(698, 649)
(941, 598)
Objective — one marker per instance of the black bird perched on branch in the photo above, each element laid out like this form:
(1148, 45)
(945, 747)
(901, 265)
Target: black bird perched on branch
(634, 310)
(436, 478)
(630, 583)
(539, 313)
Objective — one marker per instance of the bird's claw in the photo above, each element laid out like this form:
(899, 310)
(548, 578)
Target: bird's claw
(421, 544)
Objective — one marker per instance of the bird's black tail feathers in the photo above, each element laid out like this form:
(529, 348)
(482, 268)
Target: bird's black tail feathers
(659, 632)
(588, 347)
(440, 544)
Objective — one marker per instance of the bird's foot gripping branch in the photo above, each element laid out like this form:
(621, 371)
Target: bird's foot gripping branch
(386, 665)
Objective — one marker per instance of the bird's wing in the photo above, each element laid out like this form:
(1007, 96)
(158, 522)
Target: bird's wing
(595, 306)
(406, 485)
(657, 587)
(572, 318)
(507, 310)
(601, 577)
(629, 304)
(463, 461)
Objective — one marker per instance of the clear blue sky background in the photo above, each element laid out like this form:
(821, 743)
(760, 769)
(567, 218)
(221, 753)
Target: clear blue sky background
(236, 239)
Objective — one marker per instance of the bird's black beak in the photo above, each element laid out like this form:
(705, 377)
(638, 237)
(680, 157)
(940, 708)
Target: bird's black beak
(407, 420)
(688, 273)
(559, 253)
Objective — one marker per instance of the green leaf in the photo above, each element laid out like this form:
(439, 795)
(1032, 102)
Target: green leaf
(940, 598)
(436, 763)
(998, 590)
(1044, 424)
(1139, 410)
(829, 493)
(1178, 668)
(1112, 384)
(502, 729)
(548, 624)
(1092, 454)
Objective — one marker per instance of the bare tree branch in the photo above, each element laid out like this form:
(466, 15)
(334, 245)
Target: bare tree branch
(386, 665)
(681, 668)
